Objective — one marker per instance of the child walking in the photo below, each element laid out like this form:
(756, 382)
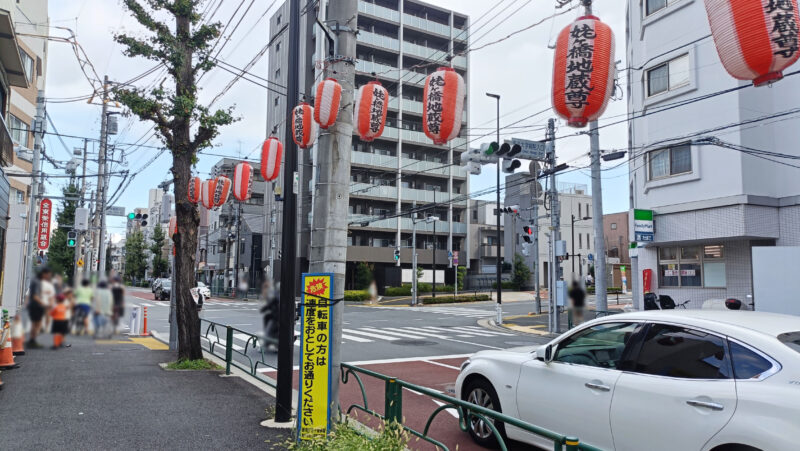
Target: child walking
(60, 321)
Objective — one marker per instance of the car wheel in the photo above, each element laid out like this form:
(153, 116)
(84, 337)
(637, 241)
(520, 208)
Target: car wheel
(481, 392)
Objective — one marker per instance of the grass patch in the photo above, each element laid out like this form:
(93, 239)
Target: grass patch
(456, 299)
(199, 364)
(346, 438)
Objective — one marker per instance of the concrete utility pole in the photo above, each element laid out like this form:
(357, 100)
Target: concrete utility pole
(33, 229)
(236, 249)
(555, 228)
(499, 301)
(99, 210)
(78, 272)
(600, 280)
(538, 297)
(286, 309)
(332, 191)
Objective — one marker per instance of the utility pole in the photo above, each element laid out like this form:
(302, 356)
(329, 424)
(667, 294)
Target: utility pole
(555, 227)
(236, 249)
(33, 230)
(286, 310)
(498, 304)
(538, 297)
(99, 209)
(601, 299)
(332, 192)
(79, 244)
(414, 253)
(433, 293)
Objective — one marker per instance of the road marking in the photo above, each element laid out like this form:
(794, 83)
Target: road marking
(415, 331)
(433, 362)
(396, 334)
(481, 329)
(150, 343)
(410, 359)
(473, 332)
(356, 339)
(358, 332)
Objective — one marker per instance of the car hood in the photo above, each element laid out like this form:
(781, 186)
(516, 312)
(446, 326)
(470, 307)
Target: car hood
(510, 351)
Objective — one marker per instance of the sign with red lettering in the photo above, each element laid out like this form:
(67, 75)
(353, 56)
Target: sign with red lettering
(43, 231)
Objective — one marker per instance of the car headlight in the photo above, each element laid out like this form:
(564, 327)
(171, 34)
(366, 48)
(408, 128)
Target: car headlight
(465, 364)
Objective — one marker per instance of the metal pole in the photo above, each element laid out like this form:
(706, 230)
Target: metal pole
(283, 398)
(555, 228)
(498, 305)
(572, 257)
(600, 281)
(332, 192)
(78, 272)
(538, 297)
(36, 172)
(414, 259)
(272, 237)
(236, 249)
(433, 294)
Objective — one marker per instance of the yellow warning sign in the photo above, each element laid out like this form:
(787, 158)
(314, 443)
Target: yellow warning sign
(80, 263)
(315, 370)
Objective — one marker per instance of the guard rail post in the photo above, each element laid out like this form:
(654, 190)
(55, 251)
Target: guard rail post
(228, 348)
(573, 444)
(394, 401)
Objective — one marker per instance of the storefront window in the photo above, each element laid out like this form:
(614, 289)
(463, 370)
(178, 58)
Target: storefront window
(691, 266)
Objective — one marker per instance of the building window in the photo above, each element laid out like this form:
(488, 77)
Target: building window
(278, 19)
(277, 47)
(18, 197)
(19, 130)
(613, 226)
(474, 215)
(588, 246)
(652, 6)
(278, 73)
(580, 241)
(668, 76)
(670, 161)
(27, 64)
(277, 100)
(691, 266)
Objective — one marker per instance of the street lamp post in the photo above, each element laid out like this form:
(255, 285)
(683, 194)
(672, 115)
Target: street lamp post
(574, 220)
(414, 221)
(498, 305)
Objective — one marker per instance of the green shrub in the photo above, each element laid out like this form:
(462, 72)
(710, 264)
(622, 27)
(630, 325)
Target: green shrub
(344, 437)
(507, 285)
(609, 290)
(457, 299)
(405, 290)
(356, 295)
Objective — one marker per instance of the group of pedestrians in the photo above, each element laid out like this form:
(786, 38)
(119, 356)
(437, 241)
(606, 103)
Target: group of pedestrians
(53, 305)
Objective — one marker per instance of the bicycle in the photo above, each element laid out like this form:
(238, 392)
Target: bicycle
(682, 305)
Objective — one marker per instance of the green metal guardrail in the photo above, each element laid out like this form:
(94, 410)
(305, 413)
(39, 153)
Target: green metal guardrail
(393, 408)
(211, 334)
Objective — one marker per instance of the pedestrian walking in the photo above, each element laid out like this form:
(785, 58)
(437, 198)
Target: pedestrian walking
(48, 297)
(270, 311)
(60, 315)
(36, 306)
(83, 307)
(118, 296)
(102, 305)
(578, 298)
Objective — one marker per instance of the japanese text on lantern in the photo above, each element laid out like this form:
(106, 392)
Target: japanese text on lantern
(784, 28)
(298, 124)
(435, 96)
(579, 65)
(376, 112)
(314, 357)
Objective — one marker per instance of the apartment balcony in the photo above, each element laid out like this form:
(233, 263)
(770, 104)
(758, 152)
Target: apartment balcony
(380, 12)
(490, 251)
(419, 138)
(6, 146)
(378, 40)
(359, 189)
(390, 72)
(406, 225)
(420, 51)
(390, 164)
(415, 107)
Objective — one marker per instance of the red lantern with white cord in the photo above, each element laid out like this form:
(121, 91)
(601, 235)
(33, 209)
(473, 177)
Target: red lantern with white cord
(222, 191)
(369, 114)
(583, 71)
(271, 154)
(443, 105)
(326, 103)
(194, 191)
(242, 181)
(303, 125)
(207, 193)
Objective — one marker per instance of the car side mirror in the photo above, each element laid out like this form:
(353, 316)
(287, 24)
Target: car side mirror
(545, 353)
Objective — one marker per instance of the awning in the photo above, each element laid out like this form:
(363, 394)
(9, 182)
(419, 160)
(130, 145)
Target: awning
(9, 52)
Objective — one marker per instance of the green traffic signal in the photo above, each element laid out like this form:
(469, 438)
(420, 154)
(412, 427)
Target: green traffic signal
(131, 216)
(71, 243)
(493, 146)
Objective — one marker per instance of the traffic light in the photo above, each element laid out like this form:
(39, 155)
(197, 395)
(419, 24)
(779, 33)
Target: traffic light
(510, 165)
(72, 238)
(528, 232)
(526, 249)
(396, 254)
(139, 217)
(143, 220)
(504, 149)
(513, 209)
(131, 216)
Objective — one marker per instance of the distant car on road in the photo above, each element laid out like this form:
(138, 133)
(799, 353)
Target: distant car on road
(656, 380)
(162, 292)
(156, 283)
(203, 290)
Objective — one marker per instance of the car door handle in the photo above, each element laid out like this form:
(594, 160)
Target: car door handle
(596, 386)
(705, 404)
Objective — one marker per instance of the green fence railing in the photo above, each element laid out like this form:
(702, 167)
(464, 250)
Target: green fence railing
(216, 346)
(393, 412)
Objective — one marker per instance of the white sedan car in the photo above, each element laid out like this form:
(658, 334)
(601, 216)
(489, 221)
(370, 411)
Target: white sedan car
(203, 290)
(655, 380)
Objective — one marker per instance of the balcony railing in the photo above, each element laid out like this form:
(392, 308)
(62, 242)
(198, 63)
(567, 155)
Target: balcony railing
(389, 162)
(427, 25)
(379, 11)
(390, 72)
(409, 194)
(6, 146)
(424, 52)
(379, 40)
(407, 224)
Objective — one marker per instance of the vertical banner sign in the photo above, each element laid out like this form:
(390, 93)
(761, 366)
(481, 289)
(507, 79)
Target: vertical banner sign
(647, 280)
(315, 370)
(45, 209)
(643, 225)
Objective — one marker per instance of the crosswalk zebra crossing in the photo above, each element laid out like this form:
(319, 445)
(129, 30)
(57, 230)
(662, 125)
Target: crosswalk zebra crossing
(232, 305)
(375, 334)
(453, 311)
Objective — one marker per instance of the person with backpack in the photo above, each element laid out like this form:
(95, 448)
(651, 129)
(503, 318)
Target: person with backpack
(578, 298)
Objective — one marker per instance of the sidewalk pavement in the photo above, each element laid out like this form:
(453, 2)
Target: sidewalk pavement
(536, 323)
(112, 394)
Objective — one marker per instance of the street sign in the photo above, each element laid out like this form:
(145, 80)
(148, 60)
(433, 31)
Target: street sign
(455, 258)
(590, 257)
(315, 370)
(45, 210)
(81, 219)
(531, 150)
(115, 211)
(643, 225)
(80, 263)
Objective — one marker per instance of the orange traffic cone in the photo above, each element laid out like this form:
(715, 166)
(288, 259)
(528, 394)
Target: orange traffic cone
(6, 353)
(17, 336)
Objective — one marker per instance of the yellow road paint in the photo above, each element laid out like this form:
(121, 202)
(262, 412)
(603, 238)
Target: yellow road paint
(150, 343)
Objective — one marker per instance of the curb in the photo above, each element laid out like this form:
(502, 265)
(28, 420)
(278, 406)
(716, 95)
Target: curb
(489, 323)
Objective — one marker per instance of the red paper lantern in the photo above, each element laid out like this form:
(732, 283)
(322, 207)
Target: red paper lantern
(222, 190)
(207, 193)
(271, 154)
(242, 181)
(583, 71)
(326, 103)
(305, 129)
(443, 105)
(369, 114)
(755, 39)
(195, 185)
(173, 227)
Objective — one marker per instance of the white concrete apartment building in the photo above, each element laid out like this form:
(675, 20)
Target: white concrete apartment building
(399, 41)
(712, 205)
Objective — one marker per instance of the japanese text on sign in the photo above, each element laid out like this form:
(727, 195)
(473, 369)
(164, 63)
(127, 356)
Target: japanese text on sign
(784, 28)
(435, 108)
(43, 232)
(314, 357)
(579, 65)
(298, 124)
(376, 109)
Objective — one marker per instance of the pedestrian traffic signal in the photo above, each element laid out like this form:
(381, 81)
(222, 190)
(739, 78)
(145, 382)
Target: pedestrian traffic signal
(72, 238)
(396, 254)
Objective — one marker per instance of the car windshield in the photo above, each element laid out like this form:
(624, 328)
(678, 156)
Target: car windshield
(791, 339)
(166, 284)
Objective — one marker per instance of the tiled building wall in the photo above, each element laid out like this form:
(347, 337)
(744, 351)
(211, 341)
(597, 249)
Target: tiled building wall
(790, 226)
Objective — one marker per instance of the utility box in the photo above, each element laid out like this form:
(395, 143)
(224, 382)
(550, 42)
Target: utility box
(81, 219)
(561, 293)
(561, 248)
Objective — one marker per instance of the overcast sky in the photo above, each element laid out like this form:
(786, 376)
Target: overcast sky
(518, 68)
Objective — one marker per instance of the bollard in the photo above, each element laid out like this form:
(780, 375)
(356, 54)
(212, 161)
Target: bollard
(144, 332)
(572, 443)
(394, 401)
(228, 349)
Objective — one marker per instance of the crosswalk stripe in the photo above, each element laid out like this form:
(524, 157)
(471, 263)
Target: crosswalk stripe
(401, 334)
(472, 332)
(487, 331)
(414, 330)
(367, 334)
(356, 339)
